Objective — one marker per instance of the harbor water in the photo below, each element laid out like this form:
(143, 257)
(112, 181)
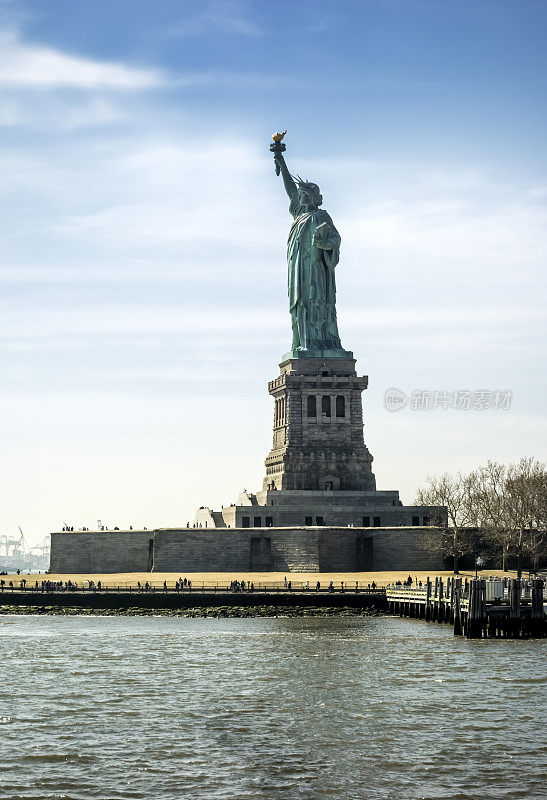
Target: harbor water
(158, 707)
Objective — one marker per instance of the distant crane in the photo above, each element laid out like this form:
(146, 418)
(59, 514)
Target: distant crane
(43, 548)
(22, 543)
(15, 554)
(12, 546)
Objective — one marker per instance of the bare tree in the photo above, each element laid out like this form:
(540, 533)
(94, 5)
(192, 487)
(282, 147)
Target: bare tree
(536, 542)
(452, 493)
(524, 499)
(489, 508)
(508, 504)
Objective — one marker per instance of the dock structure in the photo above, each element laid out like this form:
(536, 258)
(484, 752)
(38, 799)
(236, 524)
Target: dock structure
(477, 608)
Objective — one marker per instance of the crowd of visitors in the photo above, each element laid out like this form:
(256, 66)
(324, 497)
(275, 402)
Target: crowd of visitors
(408, 582)
(185, 584)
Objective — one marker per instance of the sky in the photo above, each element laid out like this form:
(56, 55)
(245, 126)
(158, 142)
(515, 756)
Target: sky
(143, 234)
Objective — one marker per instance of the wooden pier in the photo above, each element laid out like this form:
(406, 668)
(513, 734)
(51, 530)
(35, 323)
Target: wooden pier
(477, 608)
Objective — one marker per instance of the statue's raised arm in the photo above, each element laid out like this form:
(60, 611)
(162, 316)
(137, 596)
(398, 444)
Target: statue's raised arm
(290, 185)
(278, 148)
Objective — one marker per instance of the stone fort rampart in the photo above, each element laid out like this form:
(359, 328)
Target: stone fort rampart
(297, 549)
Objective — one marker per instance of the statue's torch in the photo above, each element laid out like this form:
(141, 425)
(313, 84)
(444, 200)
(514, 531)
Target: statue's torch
(277, 147)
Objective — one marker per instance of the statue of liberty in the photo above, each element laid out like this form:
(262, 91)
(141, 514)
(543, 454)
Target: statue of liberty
(313, 251)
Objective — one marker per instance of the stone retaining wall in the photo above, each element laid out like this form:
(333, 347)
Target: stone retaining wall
(184, 550)
(101, 551)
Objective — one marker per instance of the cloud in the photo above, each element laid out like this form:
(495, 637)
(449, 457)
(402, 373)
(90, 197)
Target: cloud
(12, 113)
(49, 112)
(162, 197)
(113, 319)
(456, 229)
(136, 211)
(127, 240)
(222, 16)
(34, 66)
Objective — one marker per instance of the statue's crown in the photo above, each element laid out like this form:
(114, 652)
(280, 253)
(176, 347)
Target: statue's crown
(311, 188)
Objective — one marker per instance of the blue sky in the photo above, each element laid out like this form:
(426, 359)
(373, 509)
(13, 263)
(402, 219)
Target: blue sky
(142, 255)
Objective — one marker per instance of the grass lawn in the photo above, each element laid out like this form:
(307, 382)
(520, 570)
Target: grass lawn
(223, 579)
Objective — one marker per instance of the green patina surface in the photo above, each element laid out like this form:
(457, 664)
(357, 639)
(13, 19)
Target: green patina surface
(313, 251)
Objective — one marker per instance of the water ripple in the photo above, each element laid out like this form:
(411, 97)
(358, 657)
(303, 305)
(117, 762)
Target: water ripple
(112, 708)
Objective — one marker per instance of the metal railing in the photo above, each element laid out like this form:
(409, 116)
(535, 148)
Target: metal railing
(195, 586)
(496, 589)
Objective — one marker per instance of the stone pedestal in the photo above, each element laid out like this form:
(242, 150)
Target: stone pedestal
(318, 442)
(318, 472)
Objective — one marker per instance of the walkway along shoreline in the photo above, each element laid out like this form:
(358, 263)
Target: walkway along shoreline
(160, 599)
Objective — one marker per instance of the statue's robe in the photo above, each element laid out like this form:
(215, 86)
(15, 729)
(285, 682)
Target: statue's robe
(311, 281)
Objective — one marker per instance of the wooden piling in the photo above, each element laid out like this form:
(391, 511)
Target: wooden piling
(476, 615)
(482, 605)
(471, 611)
(537, 625)
(428, 600)
(514, 609)
(457, 611)
(440, 605)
